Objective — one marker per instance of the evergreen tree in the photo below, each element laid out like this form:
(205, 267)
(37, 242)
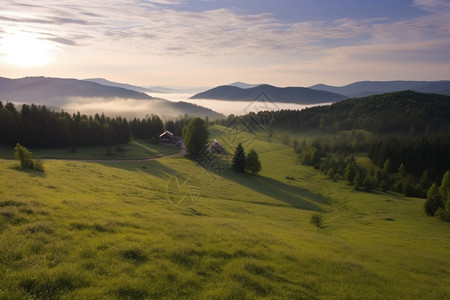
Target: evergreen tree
(252, 163)
(195, 136)
(387, 167)
(239, 159)
(402, 170)
(350, 171)
(434, 200)
(444, 189)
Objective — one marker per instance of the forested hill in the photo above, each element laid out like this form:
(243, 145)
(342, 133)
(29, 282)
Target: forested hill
(265, 92)
(398, 112)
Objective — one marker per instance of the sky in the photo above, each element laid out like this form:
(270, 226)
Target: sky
(205, 43)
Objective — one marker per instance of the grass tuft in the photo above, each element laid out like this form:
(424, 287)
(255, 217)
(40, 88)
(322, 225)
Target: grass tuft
(136, 255)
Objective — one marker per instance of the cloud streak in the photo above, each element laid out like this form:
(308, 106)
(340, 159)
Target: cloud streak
(158, 28)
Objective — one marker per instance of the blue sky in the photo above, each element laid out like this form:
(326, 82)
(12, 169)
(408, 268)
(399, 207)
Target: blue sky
(288, 11)
(212, 42)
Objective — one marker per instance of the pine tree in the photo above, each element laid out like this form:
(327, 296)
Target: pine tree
(252, 163)
(350, 171)
(444, 189)
(434, 200)
(387, 167)
(239, 159)
(402, 171)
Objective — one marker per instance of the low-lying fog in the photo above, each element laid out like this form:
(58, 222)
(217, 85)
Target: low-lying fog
(131, 108)
(233, 107)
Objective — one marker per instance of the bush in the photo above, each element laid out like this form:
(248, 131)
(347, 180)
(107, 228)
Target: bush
(443, 215)
(26, 162)
(317, 220)
(23, 156)
(37, 165)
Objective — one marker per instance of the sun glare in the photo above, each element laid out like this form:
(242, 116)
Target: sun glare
(25, 50)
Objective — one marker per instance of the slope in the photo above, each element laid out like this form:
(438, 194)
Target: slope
(89, 230)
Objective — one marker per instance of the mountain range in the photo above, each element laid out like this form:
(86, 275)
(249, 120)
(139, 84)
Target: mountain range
(265, 92)
(63, 93)
(151, 89)
(319, 93)
(368, 88)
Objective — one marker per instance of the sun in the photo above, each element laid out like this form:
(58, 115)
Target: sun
(26, 50)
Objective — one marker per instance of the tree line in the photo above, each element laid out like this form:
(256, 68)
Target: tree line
(38, 126)
(405, 165)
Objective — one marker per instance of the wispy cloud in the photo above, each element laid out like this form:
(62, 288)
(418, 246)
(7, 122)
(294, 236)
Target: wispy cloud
(160, 28)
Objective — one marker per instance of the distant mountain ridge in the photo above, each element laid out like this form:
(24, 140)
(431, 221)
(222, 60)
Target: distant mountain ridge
(55, 91)
(368, 88)
(264, 92)
(106, 82)
(59, 92)
(243, 85)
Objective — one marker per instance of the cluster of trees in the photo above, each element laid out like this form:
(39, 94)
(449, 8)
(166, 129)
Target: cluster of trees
(421, 154)
(408, 166)
(242, 162)
(438, 199)
(37, 126)
(195, 136)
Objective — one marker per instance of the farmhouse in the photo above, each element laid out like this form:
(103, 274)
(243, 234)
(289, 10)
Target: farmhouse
(215, 146)
(166, 137)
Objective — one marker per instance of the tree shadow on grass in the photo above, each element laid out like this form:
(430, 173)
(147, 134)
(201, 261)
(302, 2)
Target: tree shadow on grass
(291, 195)
(151, 167)
(30, 172)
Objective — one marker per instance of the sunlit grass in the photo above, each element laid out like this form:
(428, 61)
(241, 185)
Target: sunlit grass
(107, 230)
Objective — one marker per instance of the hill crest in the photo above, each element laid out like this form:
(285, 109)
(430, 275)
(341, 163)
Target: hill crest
(264, 92)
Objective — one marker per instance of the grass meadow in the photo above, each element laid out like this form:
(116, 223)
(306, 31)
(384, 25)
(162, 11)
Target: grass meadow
(102, 230)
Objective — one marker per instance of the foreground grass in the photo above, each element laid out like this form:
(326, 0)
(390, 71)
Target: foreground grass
(90, 230)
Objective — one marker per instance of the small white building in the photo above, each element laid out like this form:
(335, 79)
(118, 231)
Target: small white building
(215, 146)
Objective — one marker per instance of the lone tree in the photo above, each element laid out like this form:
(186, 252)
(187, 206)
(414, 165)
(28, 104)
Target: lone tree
(252, 163)
(26, 162)
(23, 156)
(195, 136)
(239, 159)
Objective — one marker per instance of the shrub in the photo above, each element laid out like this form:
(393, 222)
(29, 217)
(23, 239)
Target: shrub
(23, 156)
(317, 220)
(37, 165)
(443, 214)
(26, 162)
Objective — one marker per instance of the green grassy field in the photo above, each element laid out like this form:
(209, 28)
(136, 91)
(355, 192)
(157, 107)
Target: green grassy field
(89, 230)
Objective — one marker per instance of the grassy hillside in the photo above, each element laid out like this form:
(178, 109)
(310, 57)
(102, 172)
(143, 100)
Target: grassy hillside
(108, 230)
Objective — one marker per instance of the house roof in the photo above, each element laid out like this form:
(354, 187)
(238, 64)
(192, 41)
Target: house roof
(215, 142)
(167, 132)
